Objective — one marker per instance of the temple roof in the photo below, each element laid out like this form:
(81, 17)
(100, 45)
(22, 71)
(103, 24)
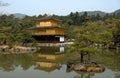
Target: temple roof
(48, 18)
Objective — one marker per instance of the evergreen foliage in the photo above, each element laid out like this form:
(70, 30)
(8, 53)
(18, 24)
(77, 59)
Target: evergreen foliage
(83, 28)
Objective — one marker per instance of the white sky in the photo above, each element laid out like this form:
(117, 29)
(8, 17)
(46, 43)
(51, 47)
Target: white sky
(58, 7)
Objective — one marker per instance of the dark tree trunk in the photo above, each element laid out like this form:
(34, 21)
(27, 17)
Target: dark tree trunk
(82, 75)
(82, 57)
(88, 57)
(117, 41)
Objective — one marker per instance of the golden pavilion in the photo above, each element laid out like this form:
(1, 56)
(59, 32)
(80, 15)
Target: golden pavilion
(48, 30)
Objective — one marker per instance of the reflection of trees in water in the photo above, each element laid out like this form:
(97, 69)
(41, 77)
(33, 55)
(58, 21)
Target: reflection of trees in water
(9, 62)
(111, 59)
(84, 75)
(117, 75)
(6, 63)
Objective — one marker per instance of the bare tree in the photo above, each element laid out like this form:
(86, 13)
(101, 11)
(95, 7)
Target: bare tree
(3, 4)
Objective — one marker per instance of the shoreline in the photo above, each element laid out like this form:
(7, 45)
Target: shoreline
(25, 49)
(53, 44)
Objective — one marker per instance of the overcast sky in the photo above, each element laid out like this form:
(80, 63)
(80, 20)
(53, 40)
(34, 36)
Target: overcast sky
(58, 7)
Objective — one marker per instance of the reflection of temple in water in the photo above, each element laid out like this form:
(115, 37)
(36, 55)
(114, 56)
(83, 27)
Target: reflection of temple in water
(50, 58)
(47, 66)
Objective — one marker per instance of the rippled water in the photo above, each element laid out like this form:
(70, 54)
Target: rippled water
(51, 63)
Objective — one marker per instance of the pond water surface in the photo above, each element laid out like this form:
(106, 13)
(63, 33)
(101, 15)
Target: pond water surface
(50, 62)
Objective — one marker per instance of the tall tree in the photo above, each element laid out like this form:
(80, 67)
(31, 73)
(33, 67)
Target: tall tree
(88, 35)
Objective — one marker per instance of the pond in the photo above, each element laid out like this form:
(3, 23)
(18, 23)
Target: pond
(50, 62)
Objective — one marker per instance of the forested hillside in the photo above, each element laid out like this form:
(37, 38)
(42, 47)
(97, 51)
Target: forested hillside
(103, 28)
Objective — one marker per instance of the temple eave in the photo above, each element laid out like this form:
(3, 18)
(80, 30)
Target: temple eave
(48, 35)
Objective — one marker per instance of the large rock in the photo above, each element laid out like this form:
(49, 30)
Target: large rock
(86, 67)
